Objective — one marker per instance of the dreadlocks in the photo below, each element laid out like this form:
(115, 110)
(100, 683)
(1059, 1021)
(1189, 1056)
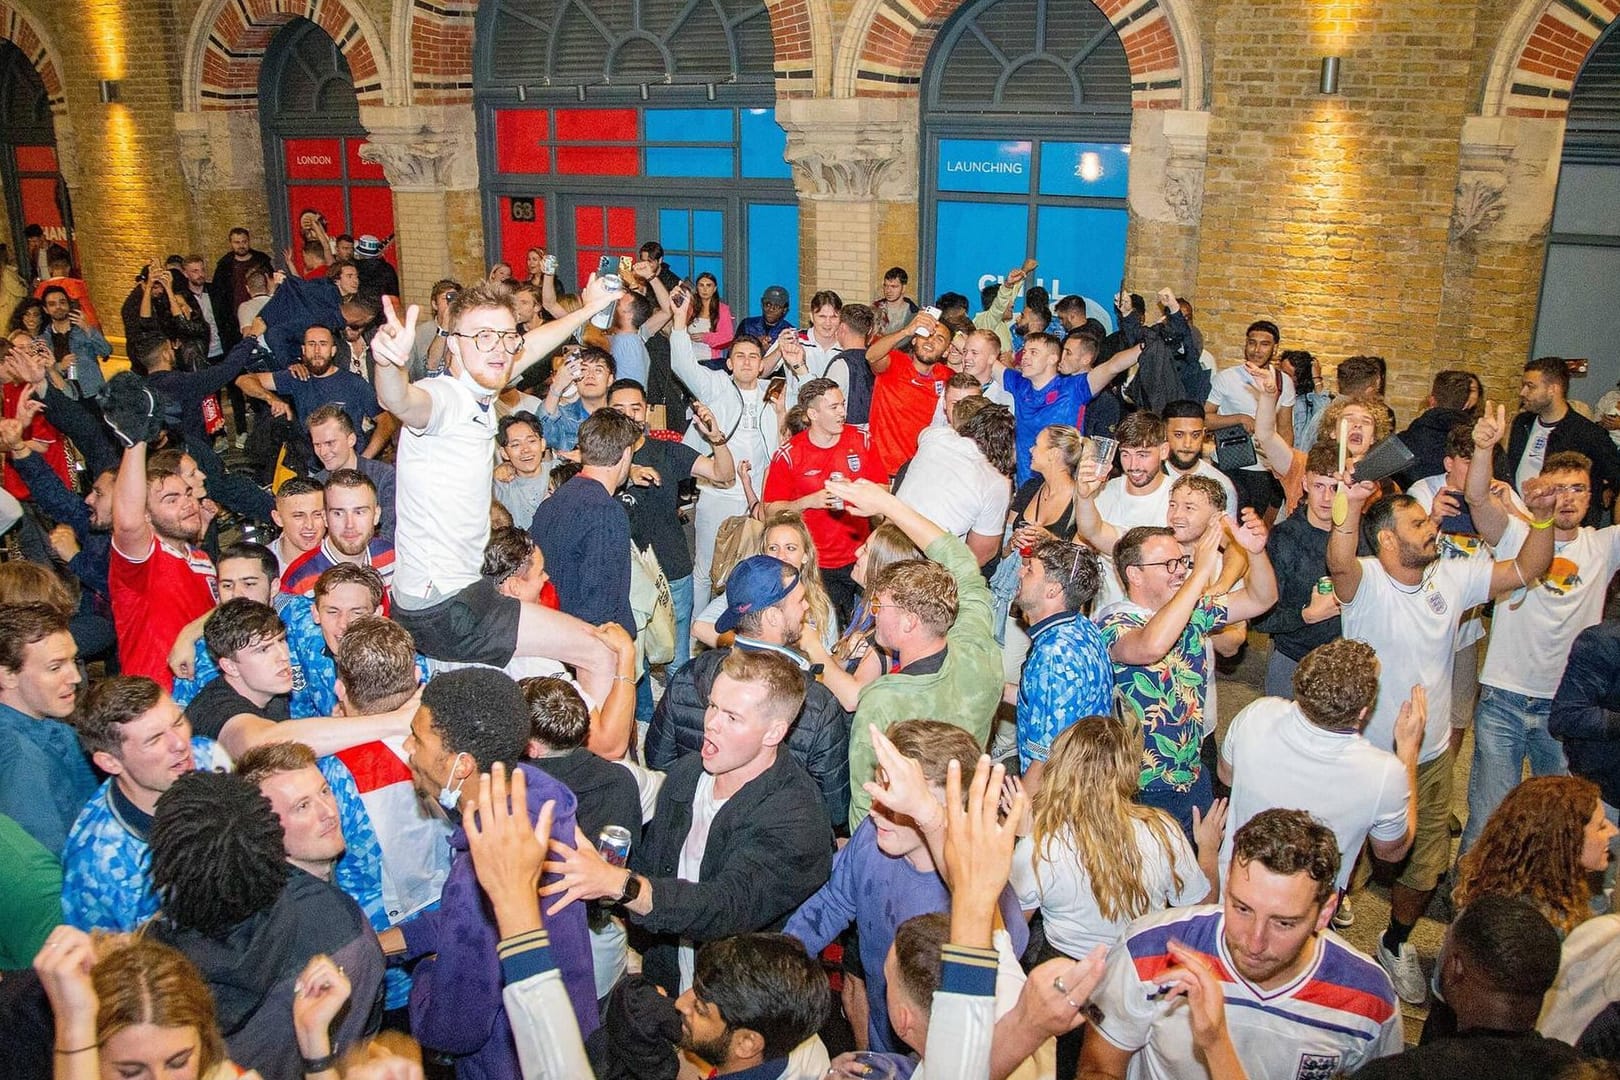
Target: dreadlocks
(217, 852)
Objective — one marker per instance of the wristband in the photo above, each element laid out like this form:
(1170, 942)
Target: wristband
(1543, 524)
(320, 1064)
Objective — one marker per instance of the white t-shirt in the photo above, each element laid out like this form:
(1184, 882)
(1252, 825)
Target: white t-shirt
(690, 867)
(1533, 631)
(1231, 391)
(1413, 629)
(950, 483)
(1588, 979)
(1124, 512)
(445, 473)
(1535, 452)
(1059, 885)
(1279, 759)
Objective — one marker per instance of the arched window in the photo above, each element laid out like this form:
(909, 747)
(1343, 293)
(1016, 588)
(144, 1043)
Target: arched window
(667, 104)
(1582, 274)
(310, 119)
(1026, 131)
(29, 173)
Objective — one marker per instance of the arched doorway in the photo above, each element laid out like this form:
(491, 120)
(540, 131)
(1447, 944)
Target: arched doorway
(1582, 274)
(36, 194)
(1026, 142)
(310, 119)
(669, 105)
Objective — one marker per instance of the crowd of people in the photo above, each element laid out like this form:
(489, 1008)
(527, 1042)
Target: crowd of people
(567, 684)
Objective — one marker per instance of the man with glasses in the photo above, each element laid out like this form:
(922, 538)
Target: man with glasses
(1517, 683)
(1068, 675)
(444, 475)
(1158, 639)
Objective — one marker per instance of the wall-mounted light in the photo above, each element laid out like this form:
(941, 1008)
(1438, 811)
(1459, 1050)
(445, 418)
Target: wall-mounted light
(108, 89)
(1330, 75)
(580, 88)
(643, 91)
(523, 92)
(709, 91)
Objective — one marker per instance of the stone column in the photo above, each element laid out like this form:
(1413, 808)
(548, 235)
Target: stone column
(429, 158)
(855, 169)
(222, 158)
(1169, 151)
(1497, 246)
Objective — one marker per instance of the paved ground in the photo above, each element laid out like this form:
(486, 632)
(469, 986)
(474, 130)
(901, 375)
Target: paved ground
(1371, 901)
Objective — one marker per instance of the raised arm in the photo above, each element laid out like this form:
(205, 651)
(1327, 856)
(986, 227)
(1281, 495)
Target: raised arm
(391, 349)
(1490, 516)
(544, 339)
(131, 531)
(1149, 643)
(1100, 376)
(1088, 521)
(1536, 555)
(1278, 454)
(322, 734)
(867, 499)
(703, 382)
(1342, 564)
(1259, 594)
(877, 353)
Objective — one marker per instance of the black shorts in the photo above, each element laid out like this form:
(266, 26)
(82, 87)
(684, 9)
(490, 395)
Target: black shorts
(478, 625)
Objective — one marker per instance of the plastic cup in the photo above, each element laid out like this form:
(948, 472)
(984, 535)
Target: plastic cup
(863, 1065)
(1100, 450)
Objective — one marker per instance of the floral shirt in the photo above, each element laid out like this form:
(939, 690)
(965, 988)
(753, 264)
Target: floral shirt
(1166, 698)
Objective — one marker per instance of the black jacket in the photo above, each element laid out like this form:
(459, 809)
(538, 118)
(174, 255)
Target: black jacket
(819, 740)
(222, 291)
(1573, 432)
(769, 850)
(1426, 438)
(1585, 714)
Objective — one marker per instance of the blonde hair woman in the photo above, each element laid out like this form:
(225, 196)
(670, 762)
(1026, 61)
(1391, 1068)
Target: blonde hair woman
(787, 538)
(1095, 858)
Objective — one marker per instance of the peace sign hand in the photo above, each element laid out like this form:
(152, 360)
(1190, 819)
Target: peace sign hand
(394, 340)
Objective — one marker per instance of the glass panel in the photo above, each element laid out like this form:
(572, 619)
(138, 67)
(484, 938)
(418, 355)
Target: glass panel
(976, 243)
(688, 125)
(1581, 280)
(523, 226)
(324, 200)
(773, 257)
(372, 210)
(1587, 196)
(709, 264)
(708, 230)
(621, 229)
(690, 161)
(679, 265)
(763, 145)
(520, 141)
(598, 160)
(1081, 249)
(597, 125)
(314, 159)
(984, 165)
(36, 159)
(1080, 168)
(674, 230)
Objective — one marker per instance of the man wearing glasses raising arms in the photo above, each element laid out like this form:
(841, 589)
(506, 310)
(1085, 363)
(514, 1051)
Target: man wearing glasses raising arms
(1158, 640)
(444, 475)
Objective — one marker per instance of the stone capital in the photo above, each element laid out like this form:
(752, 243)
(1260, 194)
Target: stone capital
(421, 148)
(852, 148)
(1169, 152)
(1507, 178)
(220, 149)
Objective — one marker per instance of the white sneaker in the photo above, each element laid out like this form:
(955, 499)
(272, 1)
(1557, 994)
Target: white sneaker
(1344, 916)
(1405, 972)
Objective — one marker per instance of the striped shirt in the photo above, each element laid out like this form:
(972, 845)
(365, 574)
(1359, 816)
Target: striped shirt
(1335, 1016)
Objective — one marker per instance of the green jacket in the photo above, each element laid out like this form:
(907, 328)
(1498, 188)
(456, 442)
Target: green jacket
(30, 896)
(964, 691)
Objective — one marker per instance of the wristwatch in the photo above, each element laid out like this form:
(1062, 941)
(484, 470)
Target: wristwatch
(632, 889)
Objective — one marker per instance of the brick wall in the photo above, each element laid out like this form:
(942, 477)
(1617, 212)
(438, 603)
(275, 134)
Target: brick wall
(1329, 214)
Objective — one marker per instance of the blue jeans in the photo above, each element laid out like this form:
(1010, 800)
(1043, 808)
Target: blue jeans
(1508, 728)
(1179, 804)
(681, 593)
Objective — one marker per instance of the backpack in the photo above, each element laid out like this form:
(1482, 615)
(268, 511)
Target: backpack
(858, 402)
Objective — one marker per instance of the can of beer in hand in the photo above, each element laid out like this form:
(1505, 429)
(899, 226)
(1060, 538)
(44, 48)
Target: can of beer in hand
(1324, 586)
(836, 503)
(548, 264)
(614, 844)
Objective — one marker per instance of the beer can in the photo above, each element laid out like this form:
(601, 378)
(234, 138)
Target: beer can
(836, 503)
(548, 264)
(1325, 586)
(614, 844)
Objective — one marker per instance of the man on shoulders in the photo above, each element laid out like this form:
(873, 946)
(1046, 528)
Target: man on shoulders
(44, 778)
(739, 837)
(331, 432)
(137, 735)
(1274, 960)
(766, 607)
